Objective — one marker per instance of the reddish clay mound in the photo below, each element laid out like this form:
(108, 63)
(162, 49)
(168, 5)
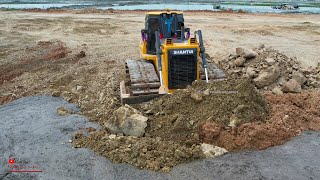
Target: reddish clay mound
(34, 58)
(289, 115)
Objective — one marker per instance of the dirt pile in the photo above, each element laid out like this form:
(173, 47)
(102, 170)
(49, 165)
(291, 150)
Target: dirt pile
(144, 152)
(227, 103)
(271, 70)
(172, 135)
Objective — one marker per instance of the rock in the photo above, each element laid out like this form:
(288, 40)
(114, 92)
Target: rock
(246, 53)
(165, 169)
(234, 121)
(267, 76)
(206, 92)
(112, 136)
(209, 130)
(295, 67)
(63, 111)
(291, 86)
(149, 112)
(56, 94)
(181, 124)
(281, 81)
(277, 90)
(81, 54)
(241, 109)
(315, 84)
(212, 151)
(270, 61)
(128, 121)
(196, 97)
(261, 46)
(79, 88)
(239, 62)
(251, 72)
(299, 78)
(286, 117)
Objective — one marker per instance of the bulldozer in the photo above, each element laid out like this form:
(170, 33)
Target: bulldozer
(171, 59)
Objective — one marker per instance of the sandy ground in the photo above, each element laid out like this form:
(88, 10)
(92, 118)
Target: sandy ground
(37, 138)
(115, 36)
(108, 39)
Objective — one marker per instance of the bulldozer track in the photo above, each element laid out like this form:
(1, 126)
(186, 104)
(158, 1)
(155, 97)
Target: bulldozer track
(142, 82)
(143, 77)
(214, 72)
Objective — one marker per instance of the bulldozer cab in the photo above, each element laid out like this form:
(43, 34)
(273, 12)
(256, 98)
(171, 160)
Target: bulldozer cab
(167, 24)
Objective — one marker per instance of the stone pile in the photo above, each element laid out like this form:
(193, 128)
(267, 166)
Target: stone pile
(271, 70)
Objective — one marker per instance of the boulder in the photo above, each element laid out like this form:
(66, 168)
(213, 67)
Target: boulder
(299, 78)
(128, 121)
(239, 62)
(212, 151)
(267, 76)
(277, 90)
(291, 86)
(246, 53)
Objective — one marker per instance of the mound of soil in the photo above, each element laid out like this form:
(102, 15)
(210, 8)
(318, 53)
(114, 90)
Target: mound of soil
(289, 115)
(144, 152)
(173, 133)
(179, 116)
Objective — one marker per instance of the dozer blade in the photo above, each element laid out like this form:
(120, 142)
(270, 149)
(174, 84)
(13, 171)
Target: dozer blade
(142, 82)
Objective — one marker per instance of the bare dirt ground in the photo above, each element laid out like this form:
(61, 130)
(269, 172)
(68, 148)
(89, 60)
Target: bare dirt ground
(80, 56)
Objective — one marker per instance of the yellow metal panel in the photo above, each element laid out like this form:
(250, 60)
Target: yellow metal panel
(161, 12)
(165, 61)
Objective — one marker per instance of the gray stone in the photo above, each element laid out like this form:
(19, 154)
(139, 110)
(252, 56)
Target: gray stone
(239, 62)
(281, 81)
(251, 72)
(112, 136)
(212, 151)
(315, 84)
(267, 76)
(206, 92)
(277, 90)
(56, 93)
(234, 121)
(299, 78)
(196, 97)
(291, 86)
(128, 121)
(246, 53)
(79, 88)
(270, 61)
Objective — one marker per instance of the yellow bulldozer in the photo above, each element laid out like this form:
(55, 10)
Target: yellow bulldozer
(171, 59)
